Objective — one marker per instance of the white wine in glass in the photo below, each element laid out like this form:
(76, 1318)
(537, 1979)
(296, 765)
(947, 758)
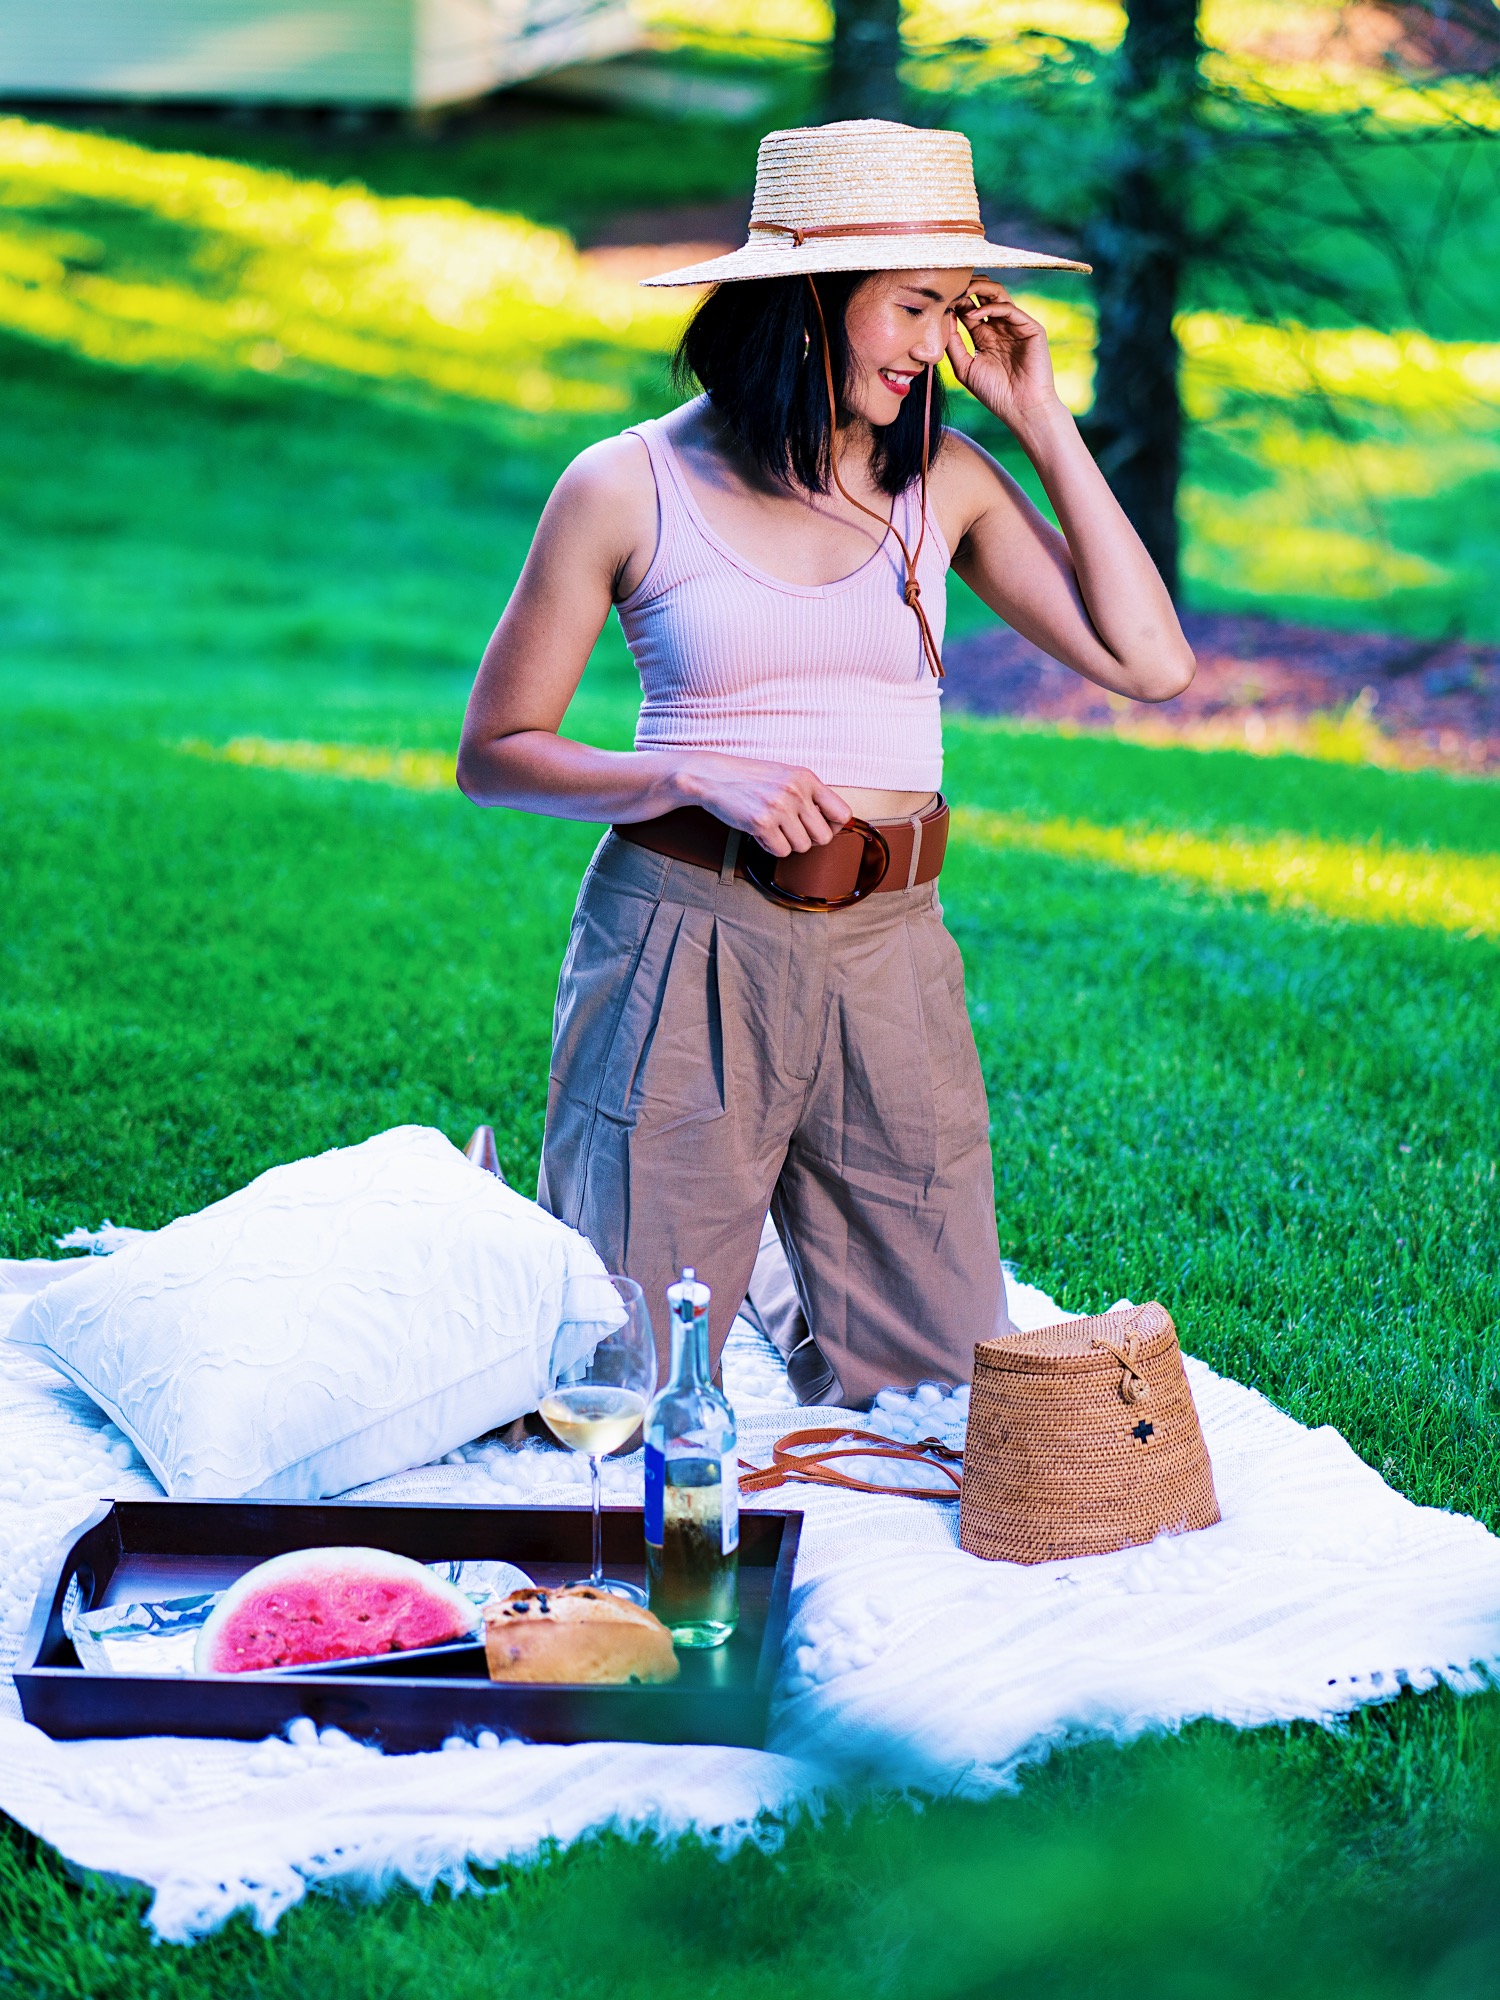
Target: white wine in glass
(596, 1402)
(592, 1420)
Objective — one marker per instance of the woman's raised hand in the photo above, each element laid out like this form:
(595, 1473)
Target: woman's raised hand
(1010, 370)
(787, 809)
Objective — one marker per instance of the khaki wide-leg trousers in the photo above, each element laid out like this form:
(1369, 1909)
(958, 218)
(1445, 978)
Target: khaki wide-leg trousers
(715, 1056)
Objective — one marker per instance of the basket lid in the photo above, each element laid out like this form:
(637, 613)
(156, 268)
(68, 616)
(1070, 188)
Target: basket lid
(1084, 1341)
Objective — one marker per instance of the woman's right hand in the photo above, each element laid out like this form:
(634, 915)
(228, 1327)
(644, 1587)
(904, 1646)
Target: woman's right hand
(786, 808)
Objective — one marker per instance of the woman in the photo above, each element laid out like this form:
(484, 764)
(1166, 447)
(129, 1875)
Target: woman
(760, 1006)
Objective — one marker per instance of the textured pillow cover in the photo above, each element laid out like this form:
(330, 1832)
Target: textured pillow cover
(340, 1319)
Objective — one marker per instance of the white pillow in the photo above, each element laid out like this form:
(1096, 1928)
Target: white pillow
(339, 1319)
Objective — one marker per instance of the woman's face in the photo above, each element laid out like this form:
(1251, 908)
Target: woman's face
(898, 323)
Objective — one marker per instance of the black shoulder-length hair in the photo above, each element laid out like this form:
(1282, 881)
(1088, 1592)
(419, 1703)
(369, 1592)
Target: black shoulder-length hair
(755, 347)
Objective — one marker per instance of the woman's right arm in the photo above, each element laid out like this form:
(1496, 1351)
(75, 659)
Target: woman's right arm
(593, 544)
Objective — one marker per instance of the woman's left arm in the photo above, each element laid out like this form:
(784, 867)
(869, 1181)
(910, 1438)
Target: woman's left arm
(1090, 596)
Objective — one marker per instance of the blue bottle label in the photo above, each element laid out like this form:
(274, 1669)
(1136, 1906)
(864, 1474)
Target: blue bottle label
(656, 1494)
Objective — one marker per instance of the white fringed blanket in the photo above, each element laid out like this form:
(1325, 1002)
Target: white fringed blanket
(907, 1662)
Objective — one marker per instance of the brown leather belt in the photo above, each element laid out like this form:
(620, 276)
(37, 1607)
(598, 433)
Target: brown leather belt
(863, 857)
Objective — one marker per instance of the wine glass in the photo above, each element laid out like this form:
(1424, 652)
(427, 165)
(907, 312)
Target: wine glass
(599, 1397)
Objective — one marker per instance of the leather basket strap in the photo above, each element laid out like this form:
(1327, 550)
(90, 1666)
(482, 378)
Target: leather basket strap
(794, 1460)
(1134, 1388)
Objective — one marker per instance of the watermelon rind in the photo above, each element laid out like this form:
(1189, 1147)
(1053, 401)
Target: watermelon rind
(315, 1605)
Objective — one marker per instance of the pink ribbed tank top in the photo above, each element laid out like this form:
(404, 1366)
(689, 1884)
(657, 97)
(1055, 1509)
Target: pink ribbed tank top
(829, 676)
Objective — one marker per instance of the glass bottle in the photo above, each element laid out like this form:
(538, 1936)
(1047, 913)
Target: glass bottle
(692, 1486)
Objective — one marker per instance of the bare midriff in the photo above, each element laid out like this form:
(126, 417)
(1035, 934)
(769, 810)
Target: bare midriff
(865, 804)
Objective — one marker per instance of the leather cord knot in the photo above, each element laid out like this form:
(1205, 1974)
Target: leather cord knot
(912, 592)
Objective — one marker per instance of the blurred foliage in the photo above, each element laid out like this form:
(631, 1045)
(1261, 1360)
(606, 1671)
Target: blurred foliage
(1282, 51)
(1315, 447)
(1173, 1870)
(1335, 470)
(1307, 444)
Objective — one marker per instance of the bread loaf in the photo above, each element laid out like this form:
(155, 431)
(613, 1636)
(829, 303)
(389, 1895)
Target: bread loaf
(575, 1635)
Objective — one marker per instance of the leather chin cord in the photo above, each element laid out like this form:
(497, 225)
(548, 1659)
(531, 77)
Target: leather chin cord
(912, 591)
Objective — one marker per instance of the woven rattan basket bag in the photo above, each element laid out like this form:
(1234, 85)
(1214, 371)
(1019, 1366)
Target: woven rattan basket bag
(1082, 1438)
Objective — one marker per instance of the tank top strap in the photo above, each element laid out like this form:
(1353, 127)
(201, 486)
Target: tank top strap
(936, 547)
(910, 520)
(674, 515)
(648, 430)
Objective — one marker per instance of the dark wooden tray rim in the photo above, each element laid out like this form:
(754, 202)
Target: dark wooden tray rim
(166, 1548)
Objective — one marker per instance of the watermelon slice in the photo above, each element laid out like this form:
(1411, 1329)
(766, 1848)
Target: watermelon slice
(330, 1604)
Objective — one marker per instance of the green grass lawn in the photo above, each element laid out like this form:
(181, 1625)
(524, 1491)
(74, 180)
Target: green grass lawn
(1280, 1120)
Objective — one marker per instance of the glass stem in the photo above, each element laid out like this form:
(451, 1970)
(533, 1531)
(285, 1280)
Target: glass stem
(598, 1572)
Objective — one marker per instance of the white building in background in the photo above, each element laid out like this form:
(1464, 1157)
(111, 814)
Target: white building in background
(354, 52)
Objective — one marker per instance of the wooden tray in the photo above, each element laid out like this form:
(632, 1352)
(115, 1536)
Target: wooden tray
(135, 1550)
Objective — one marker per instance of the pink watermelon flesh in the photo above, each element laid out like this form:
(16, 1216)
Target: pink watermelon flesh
(330, 1604)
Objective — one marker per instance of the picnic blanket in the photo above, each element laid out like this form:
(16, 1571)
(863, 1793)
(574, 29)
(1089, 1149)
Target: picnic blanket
(908, 1663)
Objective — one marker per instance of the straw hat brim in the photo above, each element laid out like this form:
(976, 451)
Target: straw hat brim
(778, 257)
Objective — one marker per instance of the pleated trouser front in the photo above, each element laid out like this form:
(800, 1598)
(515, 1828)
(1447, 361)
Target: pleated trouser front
(715, 1056)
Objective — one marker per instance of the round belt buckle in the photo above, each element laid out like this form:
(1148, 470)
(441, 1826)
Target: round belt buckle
(874, 863)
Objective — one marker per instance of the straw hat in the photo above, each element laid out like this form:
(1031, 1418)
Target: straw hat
(864, 195)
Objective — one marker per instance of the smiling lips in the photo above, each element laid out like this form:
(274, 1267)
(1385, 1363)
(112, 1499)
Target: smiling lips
(897, 384)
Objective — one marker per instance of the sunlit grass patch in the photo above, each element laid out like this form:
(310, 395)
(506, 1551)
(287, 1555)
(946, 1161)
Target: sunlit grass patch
(1460, 103)
(1362, 882)
(1227, 356)
(1404, 370)
(1271, 541)
(176, 260)
(1366, 883)
(752, 28)
(1350, 735)
(926, 25)
(411, 770)
(1379, 465)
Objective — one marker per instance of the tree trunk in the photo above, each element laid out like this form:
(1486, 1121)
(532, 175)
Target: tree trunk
(1137, 247)
(862, 81)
